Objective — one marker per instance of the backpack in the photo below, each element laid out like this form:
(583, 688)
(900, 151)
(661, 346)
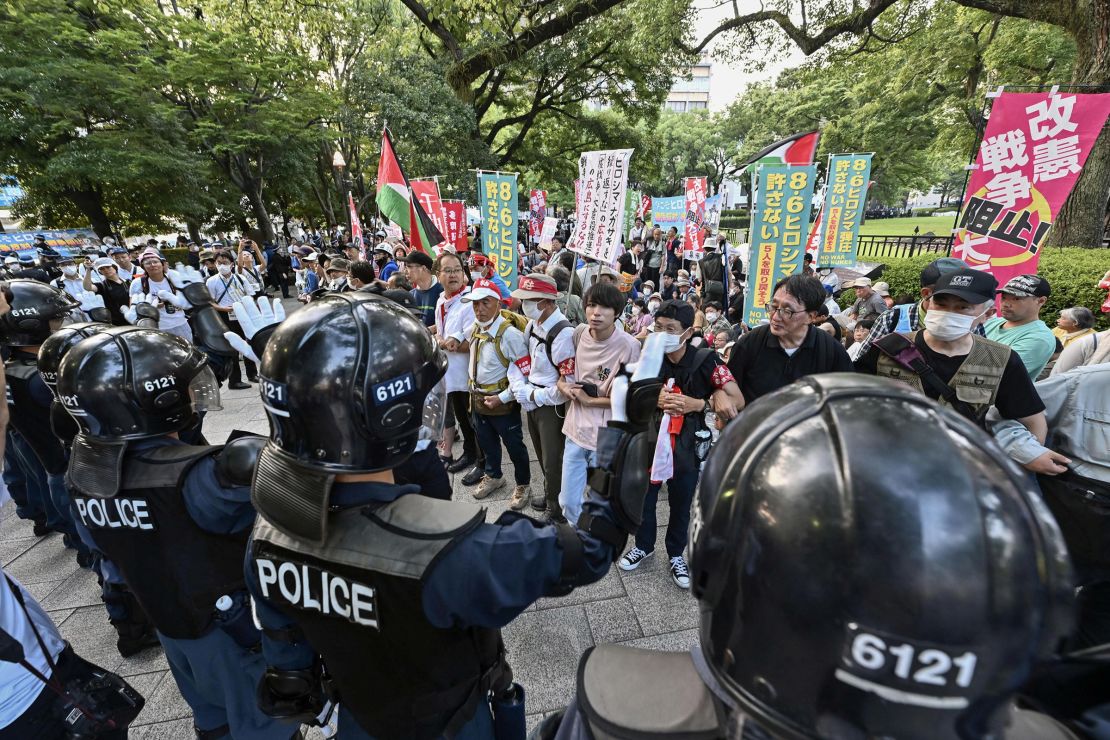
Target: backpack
(518, 320)
(549, 339)
(508, 318)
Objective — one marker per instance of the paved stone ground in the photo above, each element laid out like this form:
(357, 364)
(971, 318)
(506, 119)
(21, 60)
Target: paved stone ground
(642, 608)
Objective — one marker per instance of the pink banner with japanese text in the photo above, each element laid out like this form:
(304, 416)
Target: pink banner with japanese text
(694, 238)
(1033, 149)
(427, 193)
(454, 213)
(537, 210)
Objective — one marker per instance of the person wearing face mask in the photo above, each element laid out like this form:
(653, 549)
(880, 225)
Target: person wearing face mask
(111, 288)
(226, 288)
(647, 289)
(715, 321)
(549, 340)
(696, 382)
(955, 367)
(639, 317)
(383, 261)
(70, 281)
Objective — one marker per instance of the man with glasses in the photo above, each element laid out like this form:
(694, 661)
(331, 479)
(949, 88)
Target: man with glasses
(788, 347)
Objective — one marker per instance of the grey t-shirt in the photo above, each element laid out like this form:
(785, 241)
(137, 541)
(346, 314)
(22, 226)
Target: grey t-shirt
(871, 307)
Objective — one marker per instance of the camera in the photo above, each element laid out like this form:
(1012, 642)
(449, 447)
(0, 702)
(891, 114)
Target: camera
(97, 702)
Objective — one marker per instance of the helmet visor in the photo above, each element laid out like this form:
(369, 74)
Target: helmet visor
(204, 389)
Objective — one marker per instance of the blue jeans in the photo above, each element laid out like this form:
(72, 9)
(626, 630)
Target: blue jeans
(680, 494)
(491, 432)
(38, 490)
(576, 460)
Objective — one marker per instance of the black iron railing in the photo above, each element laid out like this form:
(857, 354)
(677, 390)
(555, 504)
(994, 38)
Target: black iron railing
(875, 245)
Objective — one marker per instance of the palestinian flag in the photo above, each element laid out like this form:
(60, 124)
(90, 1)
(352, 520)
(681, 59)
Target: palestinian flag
(796, 149)
(396, 203)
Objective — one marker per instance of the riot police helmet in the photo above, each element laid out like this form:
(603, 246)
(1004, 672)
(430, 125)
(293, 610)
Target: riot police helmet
(128, 383)
(58, 344)
(37, 310)
(343, 381)
(869, 564)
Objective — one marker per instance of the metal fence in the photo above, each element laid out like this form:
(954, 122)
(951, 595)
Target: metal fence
(874, 245)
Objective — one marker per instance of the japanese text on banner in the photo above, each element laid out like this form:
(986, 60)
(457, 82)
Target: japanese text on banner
(497, 194)
(845, 199)
(1033, 148)
(537, 210)
(669, 212)
(780, 226)
(693, 228)
(454, 214)
(427, 193)
(604, 180)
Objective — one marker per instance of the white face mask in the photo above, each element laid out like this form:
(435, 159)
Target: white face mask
(225, 270)
(532, 309)
(653, 307)
(635, 310)
(672, 342)
(647, 292)
(69, 271)
(711, 317)
(948, 326)
(484, 324)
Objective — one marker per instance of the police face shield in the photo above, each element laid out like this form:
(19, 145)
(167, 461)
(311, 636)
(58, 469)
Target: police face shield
(204, 390)
(435, 413)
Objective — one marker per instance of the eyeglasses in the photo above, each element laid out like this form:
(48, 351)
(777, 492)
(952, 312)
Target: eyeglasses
(660, 330)
(786, 313)
(451, 272)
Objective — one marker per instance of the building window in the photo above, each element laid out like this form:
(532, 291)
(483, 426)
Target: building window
(697, 105)
(678, 106)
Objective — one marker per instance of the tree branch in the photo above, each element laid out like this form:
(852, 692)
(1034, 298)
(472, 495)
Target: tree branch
(437, 28)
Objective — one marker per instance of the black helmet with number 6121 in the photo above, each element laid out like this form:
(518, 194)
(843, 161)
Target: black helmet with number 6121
(343, 381)
(36, 311)
(869, 564)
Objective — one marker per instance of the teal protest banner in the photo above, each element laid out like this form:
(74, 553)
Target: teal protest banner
(497, 194)
(779, 229)
(845, 199)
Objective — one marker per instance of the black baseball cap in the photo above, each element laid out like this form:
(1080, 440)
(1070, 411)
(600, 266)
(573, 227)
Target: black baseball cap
(1027, 286)
(932, 272)
(974, 286)
(416, 257)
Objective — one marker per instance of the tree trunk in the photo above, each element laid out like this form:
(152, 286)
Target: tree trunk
(1080, 222)
(194, 230)
(253, 191)
(91, 205)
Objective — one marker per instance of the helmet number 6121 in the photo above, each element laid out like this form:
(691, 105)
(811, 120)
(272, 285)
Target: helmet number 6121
(157, 384)
(908, 662)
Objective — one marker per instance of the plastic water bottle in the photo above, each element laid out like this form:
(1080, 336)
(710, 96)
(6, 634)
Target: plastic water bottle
(233, 616)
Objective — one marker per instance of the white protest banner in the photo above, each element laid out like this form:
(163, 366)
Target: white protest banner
(601, 193)
(547, 233)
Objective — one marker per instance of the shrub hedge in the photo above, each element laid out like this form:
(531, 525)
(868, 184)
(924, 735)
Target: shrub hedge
(1072, 272)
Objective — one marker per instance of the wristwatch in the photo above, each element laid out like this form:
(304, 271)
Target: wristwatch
(706, 408)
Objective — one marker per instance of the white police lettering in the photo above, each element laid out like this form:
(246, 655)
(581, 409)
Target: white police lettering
(889, 665)
(114, 513)
(310, 588)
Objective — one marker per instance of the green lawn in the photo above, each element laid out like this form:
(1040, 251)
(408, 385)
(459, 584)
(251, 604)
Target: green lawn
(939, 225)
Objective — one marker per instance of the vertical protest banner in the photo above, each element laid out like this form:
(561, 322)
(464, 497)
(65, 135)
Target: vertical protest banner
(779, 229)
(426, 193)
(669, 212)
(356, 226)
(497, 194)
(537, 211)
(1033, 149)
(693, 238)
(643, 210)
(547, 233)
(604, 180)
(454, 214)
(842, 212)
(631, 205)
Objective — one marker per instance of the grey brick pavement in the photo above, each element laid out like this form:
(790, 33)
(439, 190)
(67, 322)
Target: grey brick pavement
(642, 608)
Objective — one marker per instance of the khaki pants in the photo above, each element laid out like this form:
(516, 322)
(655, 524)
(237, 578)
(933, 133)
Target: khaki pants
(545, 426)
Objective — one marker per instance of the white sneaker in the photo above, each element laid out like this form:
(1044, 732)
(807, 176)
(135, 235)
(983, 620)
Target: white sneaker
(680, 574)
(631, 560)
(488, 486)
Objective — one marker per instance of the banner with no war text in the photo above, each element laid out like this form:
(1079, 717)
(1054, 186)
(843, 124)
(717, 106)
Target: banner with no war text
(845, 199)
(779, 230)
(497, 200)
(1033, 149)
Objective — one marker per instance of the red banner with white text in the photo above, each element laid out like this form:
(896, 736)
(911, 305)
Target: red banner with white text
(694, 239)
(1033, 149)
(454, 212)
(427, 193)
(537, 209)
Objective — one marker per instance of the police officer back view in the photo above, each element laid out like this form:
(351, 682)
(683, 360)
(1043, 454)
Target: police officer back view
(173, 517)
(402, 595)
(839, 600)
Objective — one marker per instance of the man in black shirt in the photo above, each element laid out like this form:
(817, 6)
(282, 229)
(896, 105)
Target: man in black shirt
(996, 376)
(112, 288)
(789, 347)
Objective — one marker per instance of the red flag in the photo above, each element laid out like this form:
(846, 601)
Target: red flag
(454, 211)
(396, 202)
(356, 227)
(796, 149)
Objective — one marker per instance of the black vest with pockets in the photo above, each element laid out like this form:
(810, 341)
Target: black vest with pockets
(398, 675)
(30, 419)
(176, 569)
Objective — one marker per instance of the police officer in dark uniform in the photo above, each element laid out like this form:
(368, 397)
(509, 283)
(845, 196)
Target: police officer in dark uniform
(37, 310)
(400, 594)
(48, 258)
(845, 597)
(32, 271)
(173, 517)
